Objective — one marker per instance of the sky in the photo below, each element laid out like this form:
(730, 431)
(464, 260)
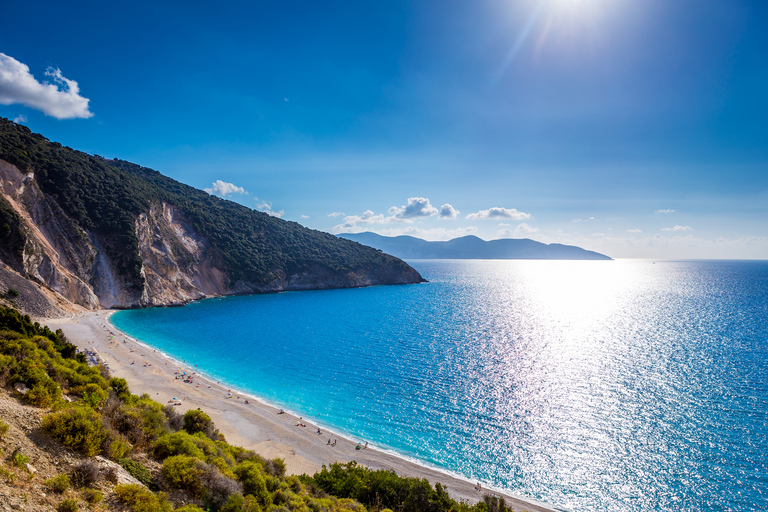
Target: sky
(636, 128)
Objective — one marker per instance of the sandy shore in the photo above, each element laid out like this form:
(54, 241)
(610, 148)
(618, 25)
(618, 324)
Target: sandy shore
(256, 425)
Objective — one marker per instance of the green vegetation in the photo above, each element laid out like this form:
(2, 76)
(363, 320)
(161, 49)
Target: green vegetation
(68, 505)
(105, 198)
(137, 470)
(92, 496)
(59, 483)
(78, 428)
(3, 428)
(197, 464)
(20, 460)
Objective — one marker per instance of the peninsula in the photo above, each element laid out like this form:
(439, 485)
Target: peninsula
(472, 247)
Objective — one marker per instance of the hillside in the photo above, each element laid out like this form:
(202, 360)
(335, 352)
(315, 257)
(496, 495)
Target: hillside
(109, 233)
(74, 438)
(472, 247)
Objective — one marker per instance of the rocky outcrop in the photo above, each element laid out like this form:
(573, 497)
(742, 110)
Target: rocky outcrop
(71, 266)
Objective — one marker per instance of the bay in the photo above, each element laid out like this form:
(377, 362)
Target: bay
(590, 385)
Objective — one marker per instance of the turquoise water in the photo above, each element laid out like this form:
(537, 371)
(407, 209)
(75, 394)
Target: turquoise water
(618, 385)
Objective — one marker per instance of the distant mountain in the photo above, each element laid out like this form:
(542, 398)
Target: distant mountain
(472, 247)
(84, 230)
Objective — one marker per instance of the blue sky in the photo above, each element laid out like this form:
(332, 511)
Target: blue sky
(634, 128)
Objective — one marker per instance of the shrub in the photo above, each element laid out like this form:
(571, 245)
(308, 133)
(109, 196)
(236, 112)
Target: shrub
(3, 429)
(94, 395)
(185, 472)
(275, 467)
(197, 421)
(175, 420)
(42, 395)
(12, 293)
(115, 446)
(68, 505)
(85, 473)
(140, 499)
(192, 508)
(92, 496)
(142, 421)
(120, 387)
(217, 487)
(251, 477)
(238, 503)
(178, 443)
(58, 484)
(20, 460)
(78, 428)
(137, 470)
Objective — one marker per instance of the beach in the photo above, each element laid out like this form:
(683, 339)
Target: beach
(254, 425)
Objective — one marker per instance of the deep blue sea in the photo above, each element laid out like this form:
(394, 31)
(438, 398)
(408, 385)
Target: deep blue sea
(594, 385)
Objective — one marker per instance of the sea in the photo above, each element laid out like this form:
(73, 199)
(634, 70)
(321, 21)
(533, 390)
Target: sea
(626, 385)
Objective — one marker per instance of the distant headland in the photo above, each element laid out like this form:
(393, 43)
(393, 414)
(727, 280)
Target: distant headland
(472, 247)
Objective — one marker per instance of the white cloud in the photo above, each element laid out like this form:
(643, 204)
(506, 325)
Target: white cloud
(678, 228)
(60, 99)
(432, 234)
(305, 216)
(417, 207)
(267, 208)
(499, 213)
(583, 220)
(448, 212)
(336, 214)
(350, 222)
(636, 230)
(223, 188)
(21, 118)
(668, 210)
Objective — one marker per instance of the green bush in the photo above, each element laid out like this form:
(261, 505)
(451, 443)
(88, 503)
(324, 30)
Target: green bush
(120, 387)
(3, 428)
(184, 472)
(68, 505)
(251, 476)
(92, 496)
(178, 443)
(140, 499)
(20, 460)
(116, 448)
(58, 484)
(12, 293)
(137, 470)
(192, 508)
(238, 503)
(78, 428)
(197, 421)
(94, 395)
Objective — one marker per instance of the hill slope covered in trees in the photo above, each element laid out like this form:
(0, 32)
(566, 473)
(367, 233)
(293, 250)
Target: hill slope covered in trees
(111, 233)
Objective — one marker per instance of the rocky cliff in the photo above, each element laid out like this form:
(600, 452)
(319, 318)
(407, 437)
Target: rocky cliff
(94, 235)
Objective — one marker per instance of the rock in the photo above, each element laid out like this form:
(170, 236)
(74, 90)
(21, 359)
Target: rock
(31, 469)
(21, 388)
(107, 466)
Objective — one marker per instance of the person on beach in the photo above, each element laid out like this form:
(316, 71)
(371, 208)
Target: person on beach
(318, 431)
(329, 441)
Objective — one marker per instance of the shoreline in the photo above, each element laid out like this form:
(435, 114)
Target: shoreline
(257, 425)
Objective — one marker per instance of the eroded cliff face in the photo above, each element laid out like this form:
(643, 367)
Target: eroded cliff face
(70, 265)
(178, 265)
(56, 253)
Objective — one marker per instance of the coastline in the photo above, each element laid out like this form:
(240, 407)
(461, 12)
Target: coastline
(256, 425)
